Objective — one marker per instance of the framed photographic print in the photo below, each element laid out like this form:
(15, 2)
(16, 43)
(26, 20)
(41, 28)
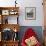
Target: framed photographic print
(5, 12)
(30, 13)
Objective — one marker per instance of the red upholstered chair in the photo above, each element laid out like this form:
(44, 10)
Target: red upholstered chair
(28, 34)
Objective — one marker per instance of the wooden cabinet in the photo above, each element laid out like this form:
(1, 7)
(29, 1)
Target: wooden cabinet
(7, 26)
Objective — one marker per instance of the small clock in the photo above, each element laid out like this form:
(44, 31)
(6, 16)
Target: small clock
(5, 12)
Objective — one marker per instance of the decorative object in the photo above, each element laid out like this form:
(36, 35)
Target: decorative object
(30, 13)
(13, 12)
(7, 34)
(15, 37)
(15, 3)
(31, 41)
(15, 30)
(5, 12)
(6, 21)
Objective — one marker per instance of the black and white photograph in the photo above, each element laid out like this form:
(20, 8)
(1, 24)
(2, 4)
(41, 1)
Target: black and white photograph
(30, 13)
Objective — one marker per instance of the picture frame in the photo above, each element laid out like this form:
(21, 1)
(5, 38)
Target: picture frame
(5, 12)
(30, 13)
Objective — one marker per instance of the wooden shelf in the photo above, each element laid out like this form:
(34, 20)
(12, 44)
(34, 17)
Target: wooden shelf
(9, 9)
(4, 13)
(11, 26)
(11, 41)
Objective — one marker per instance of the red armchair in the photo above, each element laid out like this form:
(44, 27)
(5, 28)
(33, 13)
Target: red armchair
(30, 34)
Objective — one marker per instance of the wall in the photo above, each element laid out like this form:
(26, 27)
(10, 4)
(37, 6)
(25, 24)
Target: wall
(27, 3)
(39, 13)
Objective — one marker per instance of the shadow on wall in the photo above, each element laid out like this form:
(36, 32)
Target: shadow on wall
(37, 29)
